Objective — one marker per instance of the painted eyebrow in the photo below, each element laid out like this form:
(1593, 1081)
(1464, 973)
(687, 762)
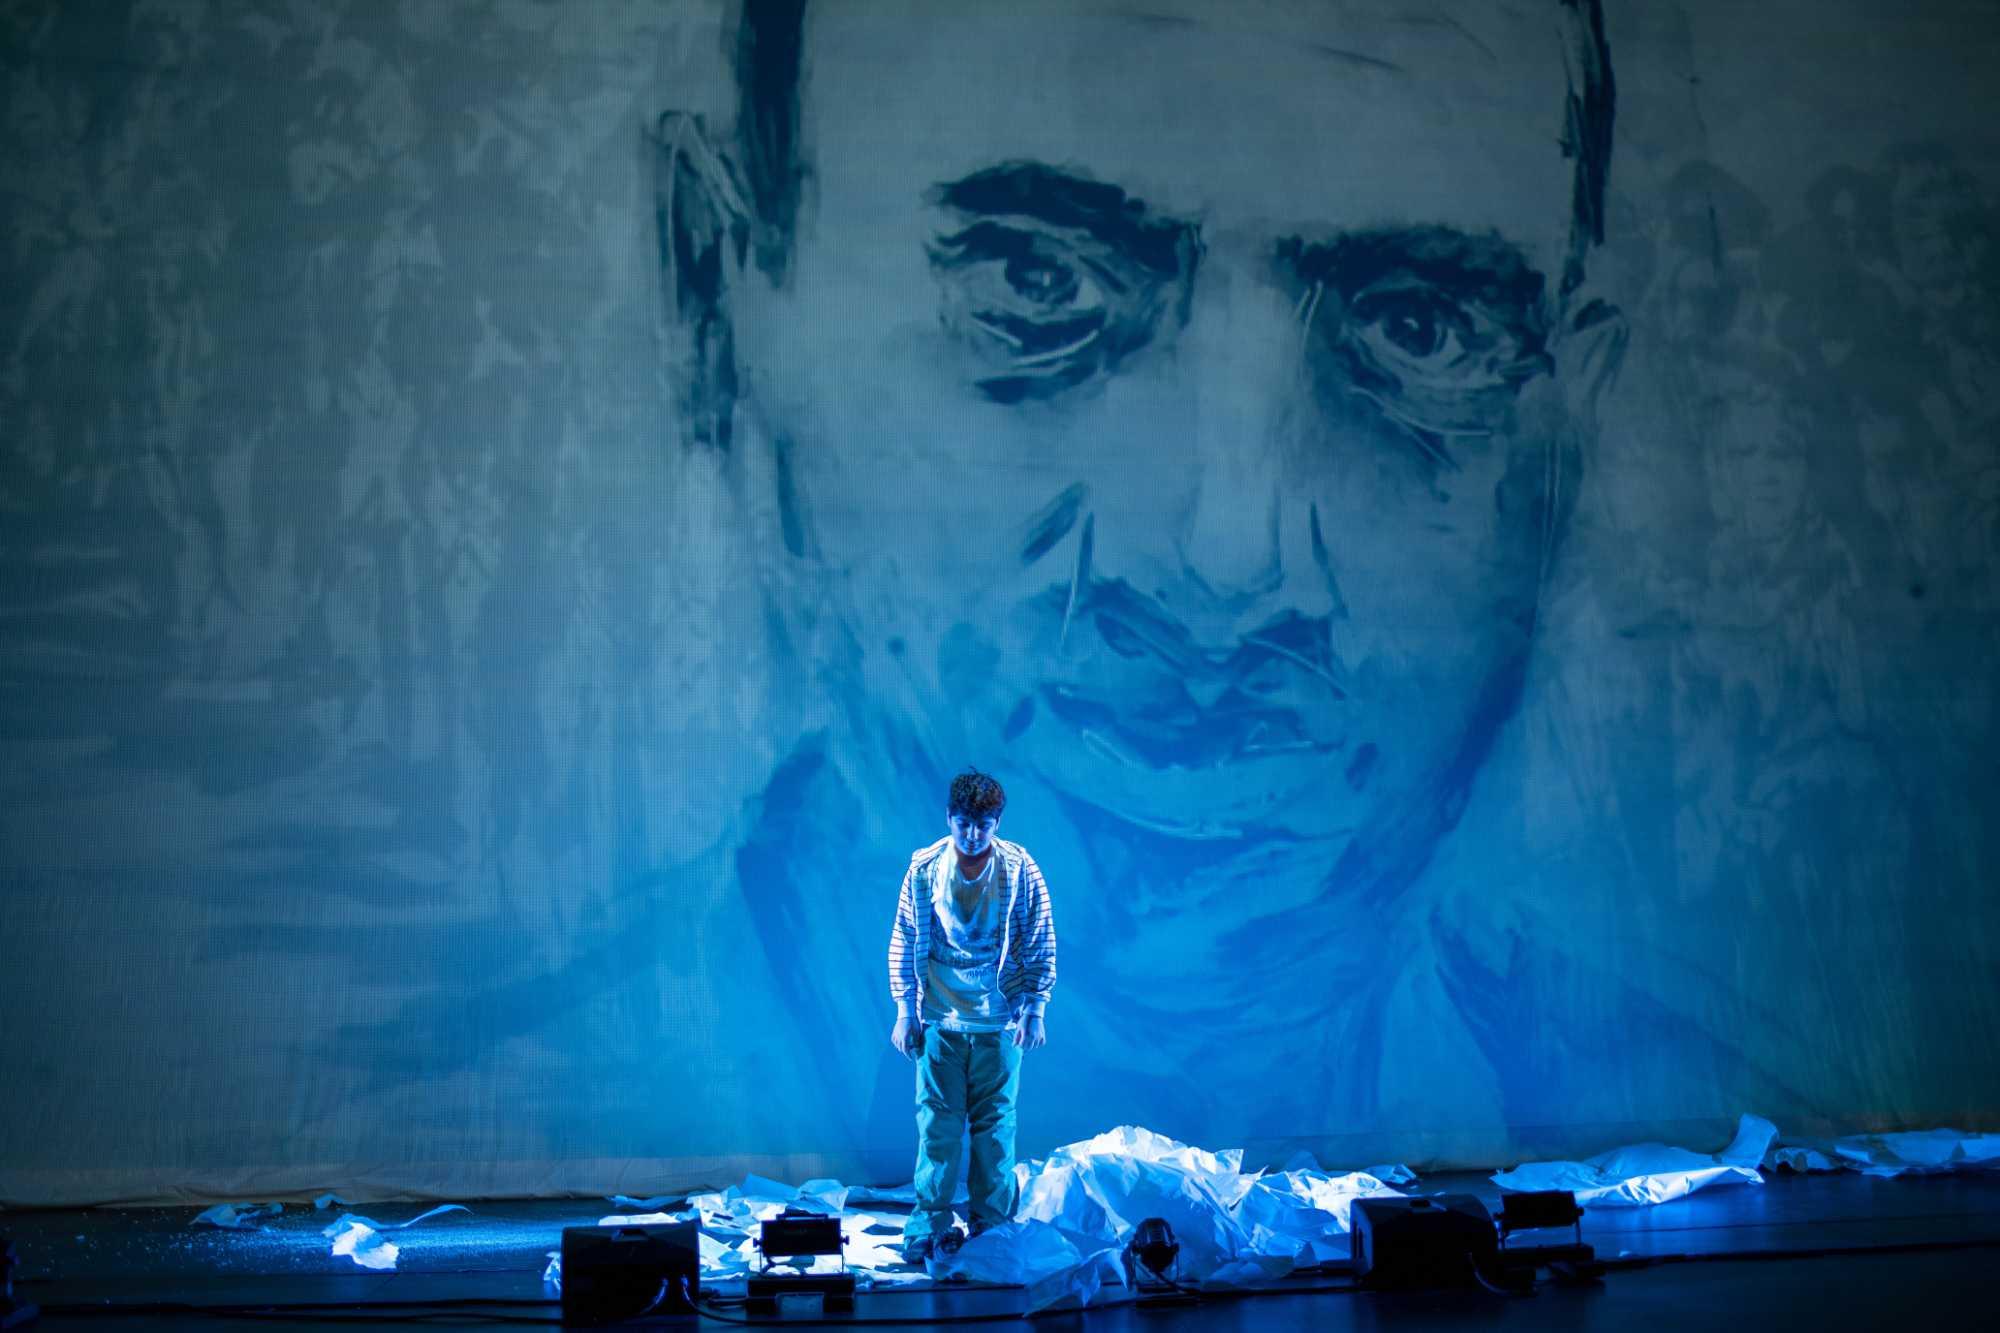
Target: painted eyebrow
(1069, 201)
(1487, 268)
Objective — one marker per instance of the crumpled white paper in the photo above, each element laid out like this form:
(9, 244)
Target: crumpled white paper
(1232, 1228)
(360, 1239)
(1911, 1152)
(237, 1216)
(1649, 1173)
(1078, 1208)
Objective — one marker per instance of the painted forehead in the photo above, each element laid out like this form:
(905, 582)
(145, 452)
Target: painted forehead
(1351, 114)
(1397, 32)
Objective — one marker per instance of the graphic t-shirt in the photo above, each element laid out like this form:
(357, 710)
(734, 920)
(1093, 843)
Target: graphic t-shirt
(968, 917)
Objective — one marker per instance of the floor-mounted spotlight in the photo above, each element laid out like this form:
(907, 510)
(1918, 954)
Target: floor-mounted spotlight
(788, 1236)
(1153, 1249)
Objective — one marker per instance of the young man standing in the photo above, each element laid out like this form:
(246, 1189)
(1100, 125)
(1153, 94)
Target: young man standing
(972, 959)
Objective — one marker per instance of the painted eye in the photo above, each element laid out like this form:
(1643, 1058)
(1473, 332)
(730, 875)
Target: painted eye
(1416, 328)
(1042, 308)
(1042, 281)
(1430, 360)
(1436, 329)
(1018, 298)
(1423, 331)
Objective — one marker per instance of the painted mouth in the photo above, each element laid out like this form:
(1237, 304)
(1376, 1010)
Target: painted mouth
(1179, 734)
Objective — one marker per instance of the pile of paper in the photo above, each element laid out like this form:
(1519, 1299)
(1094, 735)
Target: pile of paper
(1078, 1207)
(1914, 1152)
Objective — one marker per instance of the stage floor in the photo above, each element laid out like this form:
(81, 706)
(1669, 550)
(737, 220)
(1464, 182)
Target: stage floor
(498, 1253)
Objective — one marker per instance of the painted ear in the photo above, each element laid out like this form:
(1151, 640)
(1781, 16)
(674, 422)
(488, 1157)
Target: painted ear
(704, 232)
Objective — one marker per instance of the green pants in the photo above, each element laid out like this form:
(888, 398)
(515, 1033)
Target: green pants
(966, 1085)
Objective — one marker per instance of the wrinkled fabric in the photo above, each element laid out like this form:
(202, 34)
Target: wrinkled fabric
(1912, 1152)
(1232, 1228)
(1649, 1173)
(968, 1086)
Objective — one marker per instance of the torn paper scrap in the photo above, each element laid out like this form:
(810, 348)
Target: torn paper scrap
(355, 1239)
(653, 1205)
(360, 1239)
(1649, 1173)
(237, 1216)
(1908, 1152)
(1801, 1158)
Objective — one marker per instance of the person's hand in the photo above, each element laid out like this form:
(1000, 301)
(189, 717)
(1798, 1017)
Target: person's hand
(908, 1037)
(1029, 1033)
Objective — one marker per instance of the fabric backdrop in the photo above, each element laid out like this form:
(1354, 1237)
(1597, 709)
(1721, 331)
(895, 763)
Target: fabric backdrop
(499, 572)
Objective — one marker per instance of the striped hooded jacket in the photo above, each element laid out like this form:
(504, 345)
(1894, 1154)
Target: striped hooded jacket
(1027, 947)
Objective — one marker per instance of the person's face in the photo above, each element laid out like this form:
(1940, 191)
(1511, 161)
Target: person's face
(972, 836)
(1175, 392)
(1758, 465)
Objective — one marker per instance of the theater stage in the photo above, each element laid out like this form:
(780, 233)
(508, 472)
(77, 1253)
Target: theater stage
(1823, 1251)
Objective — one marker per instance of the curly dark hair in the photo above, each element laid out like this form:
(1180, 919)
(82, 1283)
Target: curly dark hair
(976, 795)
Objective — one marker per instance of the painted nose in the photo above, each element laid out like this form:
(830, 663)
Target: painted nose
(1243, 409)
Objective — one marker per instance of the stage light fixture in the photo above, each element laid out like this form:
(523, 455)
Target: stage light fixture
(790, 1234)
(1154, 1247)
(1151, 1248)
(1412, 1243)
(1450, 1240)
(1532, 1210)
(618, 1273)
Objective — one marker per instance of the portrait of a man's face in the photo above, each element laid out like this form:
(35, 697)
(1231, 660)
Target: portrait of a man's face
(1172, 427)
(1139, 418)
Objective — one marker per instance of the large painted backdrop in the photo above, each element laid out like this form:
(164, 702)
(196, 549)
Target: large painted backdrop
(1468, 536)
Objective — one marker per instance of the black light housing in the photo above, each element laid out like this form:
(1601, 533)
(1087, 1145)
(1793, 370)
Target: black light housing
(1530, 1210)
(1154, 1247)
(790, 1235)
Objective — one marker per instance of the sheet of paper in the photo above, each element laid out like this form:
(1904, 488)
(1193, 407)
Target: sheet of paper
(1649, 1173)
(361, 1239)
(1908, 1152)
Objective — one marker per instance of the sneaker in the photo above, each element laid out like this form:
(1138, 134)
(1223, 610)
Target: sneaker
(949, 1242)
(919, 1250)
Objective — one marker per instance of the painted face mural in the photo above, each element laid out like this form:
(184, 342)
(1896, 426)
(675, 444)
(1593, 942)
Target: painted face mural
(1159, 434)
(466, 721)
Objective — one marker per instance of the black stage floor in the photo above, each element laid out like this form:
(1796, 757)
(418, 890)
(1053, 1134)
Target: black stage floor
(1836, 1251)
